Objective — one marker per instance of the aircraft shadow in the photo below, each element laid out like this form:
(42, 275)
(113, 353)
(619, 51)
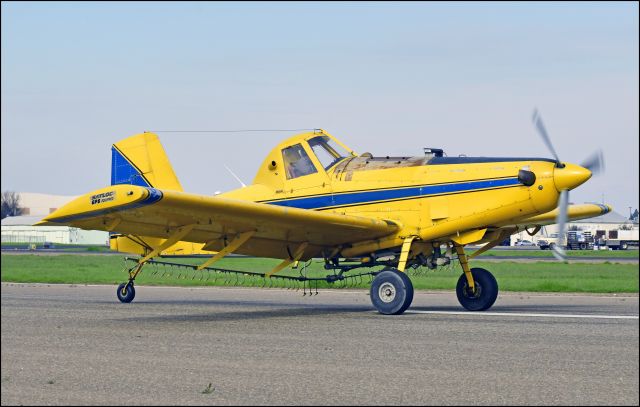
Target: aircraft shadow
(250, 314)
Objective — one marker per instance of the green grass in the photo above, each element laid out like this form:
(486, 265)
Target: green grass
(59, 247)
(511, 276)
(498, 253)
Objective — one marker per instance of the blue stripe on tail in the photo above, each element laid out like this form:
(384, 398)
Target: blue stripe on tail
(123, 172)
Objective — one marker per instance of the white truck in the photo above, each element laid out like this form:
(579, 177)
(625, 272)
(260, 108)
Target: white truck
(619, 239)
(573, 240)
(547, 242)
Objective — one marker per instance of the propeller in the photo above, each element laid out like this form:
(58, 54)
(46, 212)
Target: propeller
(561, 220)
(594, 163)
(537, 121)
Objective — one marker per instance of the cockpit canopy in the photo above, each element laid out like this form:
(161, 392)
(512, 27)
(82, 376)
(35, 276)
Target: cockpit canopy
(297, 162)
(311, 154)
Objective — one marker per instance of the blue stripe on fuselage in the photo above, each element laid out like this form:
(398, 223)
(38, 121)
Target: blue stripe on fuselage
(366, 197)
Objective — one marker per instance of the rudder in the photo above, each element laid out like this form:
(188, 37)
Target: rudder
(141, 160)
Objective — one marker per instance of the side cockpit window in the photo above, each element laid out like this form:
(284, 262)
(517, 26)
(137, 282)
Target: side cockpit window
(329, 153)
(296, 162)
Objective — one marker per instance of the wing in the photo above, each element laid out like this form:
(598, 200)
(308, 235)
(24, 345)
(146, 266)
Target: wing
(574, 212)
(494, 235)
(276, 231)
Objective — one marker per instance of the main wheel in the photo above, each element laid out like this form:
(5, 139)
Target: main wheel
(391, 292)
(486, 291)
(126, 292)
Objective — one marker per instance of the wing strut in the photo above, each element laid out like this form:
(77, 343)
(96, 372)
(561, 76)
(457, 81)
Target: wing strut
(296, 256)
(503, 235)
(235, 243)
(179, 234)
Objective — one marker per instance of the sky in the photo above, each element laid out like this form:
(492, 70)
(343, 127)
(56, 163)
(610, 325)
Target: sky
(387, 78)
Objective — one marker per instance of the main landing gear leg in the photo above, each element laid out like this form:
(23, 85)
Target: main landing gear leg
(477, 289)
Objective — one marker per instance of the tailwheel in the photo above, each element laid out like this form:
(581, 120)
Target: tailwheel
(485, 293)
(126, 292)
(391, 292)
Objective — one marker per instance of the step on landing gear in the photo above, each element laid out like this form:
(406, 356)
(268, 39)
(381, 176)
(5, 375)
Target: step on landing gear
(391, 292)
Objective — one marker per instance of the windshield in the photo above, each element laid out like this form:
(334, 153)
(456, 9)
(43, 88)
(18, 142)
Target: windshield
(296, 162)
(329, 153)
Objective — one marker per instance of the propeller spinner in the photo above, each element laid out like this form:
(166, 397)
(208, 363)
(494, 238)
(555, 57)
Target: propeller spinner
(566, 177)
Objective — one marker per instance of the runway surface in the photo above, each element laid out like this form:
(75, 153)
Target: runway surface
(78, 345)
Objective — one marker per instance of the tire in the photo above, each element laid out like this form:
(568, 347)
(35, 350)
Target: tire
(126, 292)
(391, 292)
(486, 290)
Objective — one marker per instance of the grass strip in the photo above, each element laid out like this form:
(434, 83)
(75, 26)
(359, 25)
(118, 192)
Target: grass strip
(535, 277)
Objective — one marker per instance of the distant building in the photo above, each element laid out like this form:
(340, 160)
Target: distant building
(609, 221)
(35, 206)
(600, 225)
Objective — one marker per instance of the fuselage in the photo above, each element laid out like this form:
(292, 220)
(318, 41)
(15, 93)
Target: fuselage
(429, 197)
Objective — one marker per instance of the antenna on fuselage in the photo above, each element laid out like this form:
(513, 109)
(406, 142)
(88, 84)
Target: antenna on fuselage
(235, 176)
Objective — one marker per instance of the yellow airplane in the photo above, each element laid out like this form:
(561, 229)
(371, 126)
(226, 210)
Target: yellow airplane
(313, 197)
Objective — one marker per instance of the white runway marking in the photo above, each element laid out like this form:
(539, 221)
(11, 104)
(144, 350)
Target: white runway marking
(517, 314)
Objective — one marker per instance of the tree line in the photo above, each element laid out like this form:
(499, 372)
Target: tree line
(10, 204)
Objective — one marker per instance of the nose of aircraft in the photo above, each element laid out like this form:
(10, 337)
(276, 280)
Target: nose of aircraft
(570, 176)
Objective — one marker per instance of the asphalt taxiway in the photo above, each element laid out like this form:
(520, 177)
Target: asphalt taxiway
(66, 344)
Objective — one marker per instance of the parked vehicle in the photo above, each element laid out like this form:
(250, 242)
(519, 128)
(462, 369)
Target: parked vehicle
(549, 241)
(574, 240)
(619, 239)
(524, 243)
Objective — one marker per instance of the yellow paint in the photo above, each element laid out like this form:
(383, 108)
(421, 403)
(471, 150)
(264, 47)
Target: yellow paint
(404, 252)
(496, 238)
(296, 256)
(349, 231)
(470, 236)
(462, 257)
(146, 152)
(173, 238)
(574, 212)
(233, 245)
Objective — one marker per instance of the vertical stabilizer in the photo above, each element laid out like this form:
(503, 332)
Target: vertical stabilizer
(141, 160)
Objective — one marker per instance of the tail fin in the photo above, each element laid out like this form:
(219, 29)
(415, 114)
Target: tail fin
(141, 160)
